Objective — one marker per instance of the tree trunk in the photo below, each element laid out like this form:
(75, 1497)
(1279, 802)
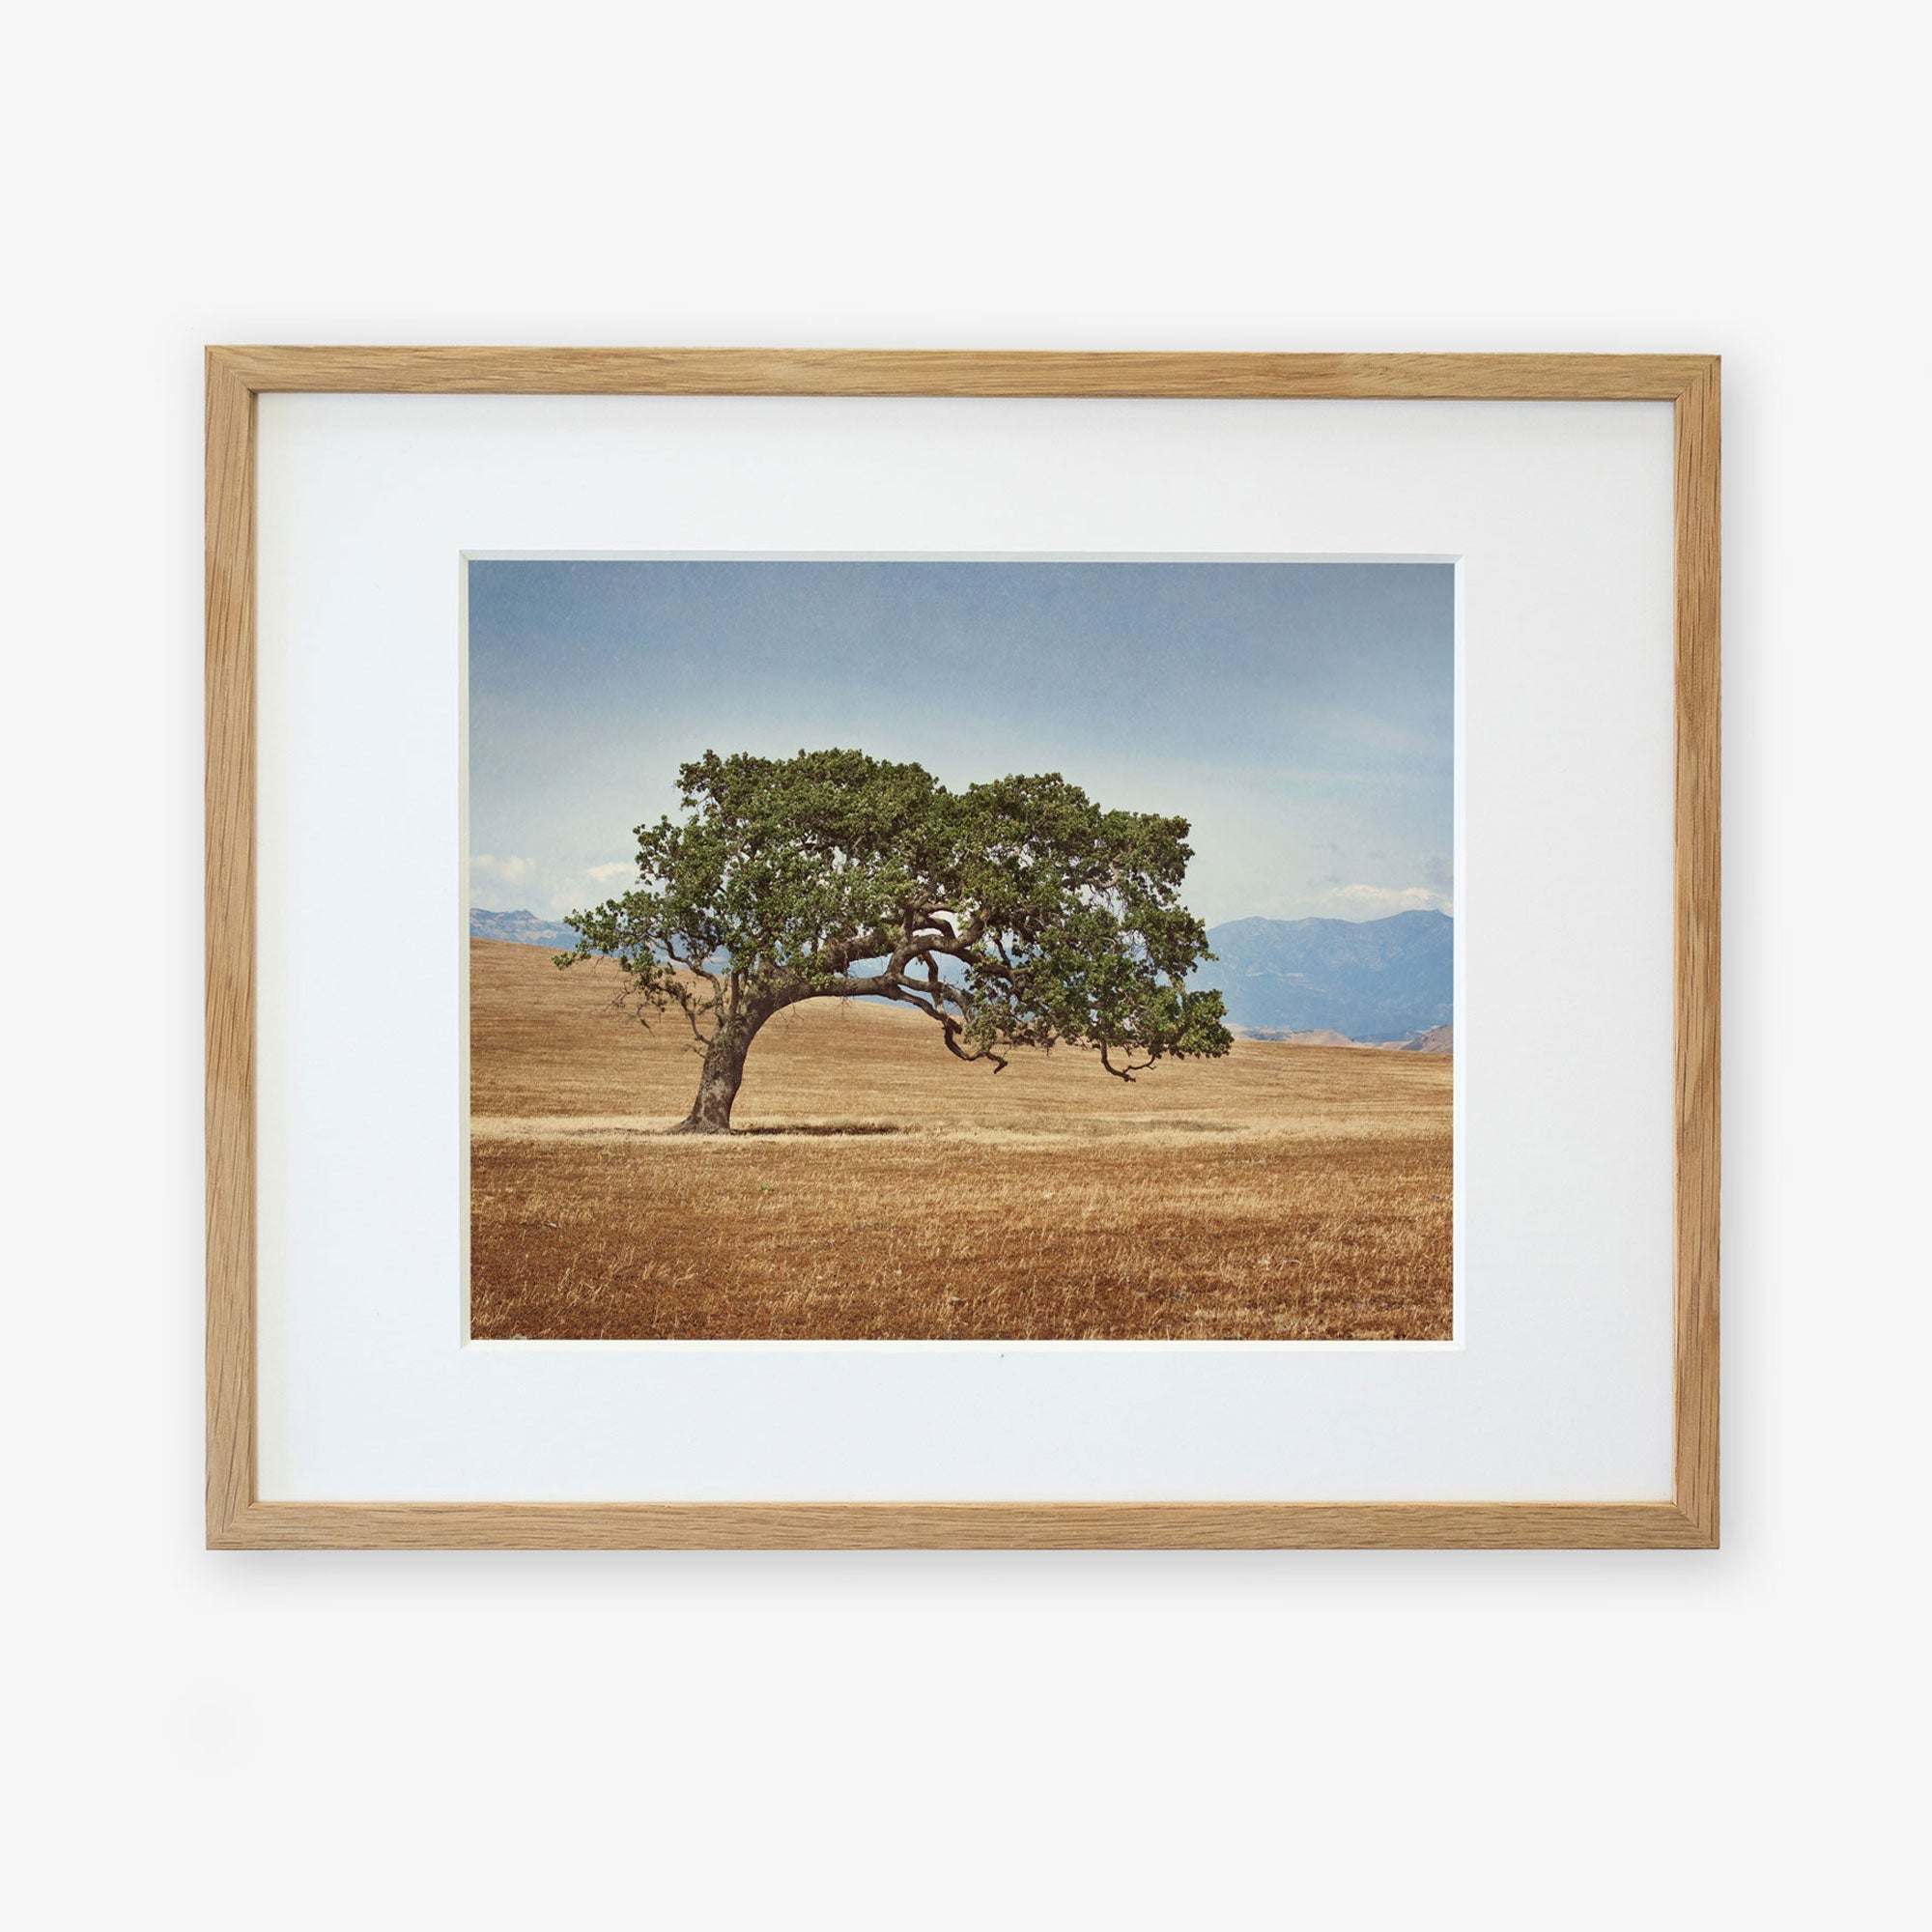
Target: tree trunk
(718, 1084)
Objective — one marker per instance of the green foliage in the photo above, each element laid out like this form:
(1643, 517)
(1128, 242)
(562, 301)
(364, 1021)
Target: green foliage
(832, 874)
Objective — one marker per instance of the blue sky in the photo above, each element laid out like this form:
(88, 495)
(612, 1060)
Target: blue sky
(1300, 715)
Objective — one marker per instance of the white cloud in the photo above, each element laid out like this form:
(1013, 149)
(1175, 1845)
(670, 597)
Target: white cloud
(508, 882)
(1380, 901)
(508, 869)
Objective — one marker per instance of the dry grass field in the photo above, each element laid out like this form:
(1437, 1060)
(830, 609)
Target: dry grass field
(878, 1188)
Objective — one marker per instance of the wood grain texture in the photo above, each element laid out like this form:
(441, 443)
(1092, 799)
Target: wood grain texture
(237, 1519)
(938, 372)
(1044, 1525)
(230, 931)
(1697, 943)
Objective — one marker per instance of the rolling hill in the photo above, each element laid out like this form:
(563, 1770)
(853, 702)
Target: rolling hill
(522, 929)
(1377, 980)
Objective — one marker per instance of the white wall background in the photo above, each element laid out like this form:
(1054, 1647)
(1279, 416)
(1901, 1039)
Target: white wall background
(934, 1739)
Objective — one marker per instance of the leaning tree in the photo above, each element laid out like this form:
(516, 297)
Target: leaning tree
(1014, 914)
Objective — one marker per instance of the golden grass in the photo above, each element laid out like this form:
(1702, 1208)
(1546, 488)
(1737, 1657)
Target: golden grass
(880, 1190)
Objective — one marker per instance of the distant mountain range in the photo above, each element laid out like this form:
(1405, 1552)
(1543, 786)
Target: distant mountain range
(522, 929)
(1329, 982)
(1377, 981)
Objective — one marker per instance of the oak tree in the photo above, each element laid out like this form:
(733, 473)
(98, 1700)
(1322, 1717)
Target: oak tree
(1012, 914)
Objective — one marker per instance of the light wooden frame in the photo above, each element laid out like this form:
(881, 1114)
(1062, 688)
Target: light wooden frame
(237, 1517)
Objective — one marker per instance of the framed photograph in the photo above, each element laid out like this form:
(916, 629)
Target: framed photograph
(856, 949)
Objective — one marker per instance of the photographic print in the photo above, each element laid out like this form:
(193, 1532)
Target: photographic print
(910, 948)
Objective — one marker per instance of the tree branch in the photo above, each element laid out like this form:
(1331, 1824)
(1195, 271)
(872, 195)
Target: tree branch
(676, 958)
(897, 987)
